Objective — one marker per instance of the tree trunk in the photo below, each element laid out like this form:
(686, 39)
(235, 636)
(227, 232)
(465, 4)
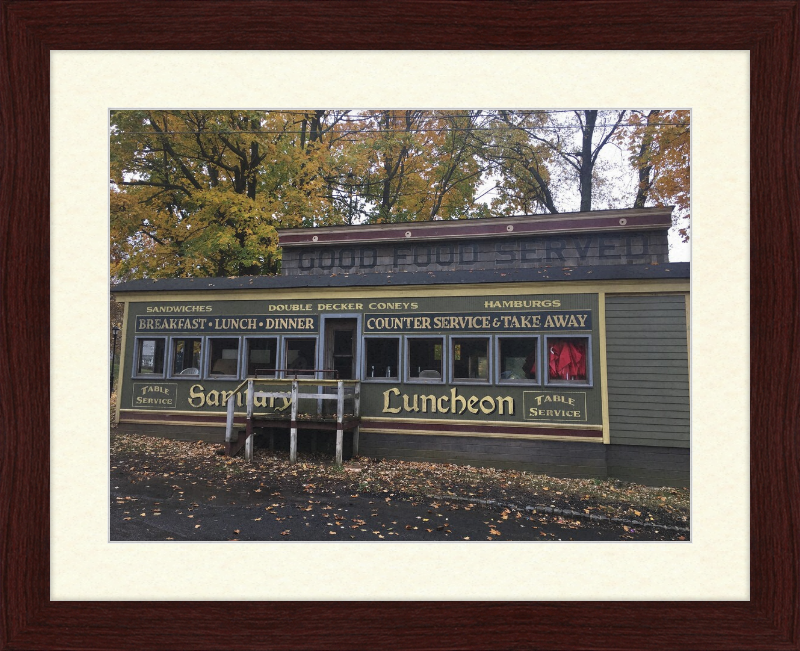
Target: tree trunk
(316, 126)
(642, 162)
(251, 176)
(586, 161)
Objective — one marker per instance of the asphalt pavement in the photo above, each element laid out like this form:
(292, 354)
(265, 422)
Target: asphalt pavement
(168, 509)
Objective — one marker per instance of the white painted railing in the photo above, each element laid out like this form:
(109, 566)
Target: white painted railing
(294, 396)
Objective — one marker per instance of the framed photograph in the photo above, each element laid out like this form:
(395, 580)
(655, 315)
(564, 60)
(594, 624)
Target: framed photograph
(141, 610)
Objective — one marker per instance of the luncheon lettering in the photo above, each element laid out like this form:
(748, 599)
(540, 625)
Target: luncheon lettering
(562, 321)
(447, 404)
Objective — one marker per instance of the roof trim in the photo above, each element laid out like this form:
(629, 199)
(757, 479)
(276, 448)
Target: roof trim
(677, 271)
(657, 218)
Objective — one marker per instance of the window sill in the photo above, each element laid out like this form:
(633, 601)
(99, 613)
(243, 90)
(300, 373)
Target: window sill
(566, 385)
(519, 383)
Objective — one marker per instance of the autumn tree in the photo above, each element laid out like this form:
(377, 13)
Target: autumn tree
(658, 146)
(419, 165)
(456, 168)
(392, 142)
(321, 143)
(201, 193)
(184, 194)
(520, 162)
(198, 193)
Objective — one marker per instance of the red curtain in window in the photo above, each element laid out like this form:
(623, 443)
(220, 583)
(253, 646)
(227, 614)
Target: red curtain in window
(567, 359)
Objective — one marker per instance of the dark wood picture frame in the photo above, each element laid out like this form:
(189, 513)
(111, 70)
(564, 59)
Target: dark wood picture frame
(769, 29)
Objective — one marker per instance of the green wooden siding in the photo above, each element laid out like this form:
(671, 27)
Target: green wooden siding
(648, 370)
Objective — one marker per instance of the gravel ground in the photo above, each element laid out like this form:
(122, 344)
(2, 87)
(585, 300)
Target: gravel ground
(185, 479)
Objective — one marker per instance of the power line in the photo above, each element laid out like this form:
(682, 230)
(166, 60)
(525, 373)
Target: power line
(351, 114)
(390, 131)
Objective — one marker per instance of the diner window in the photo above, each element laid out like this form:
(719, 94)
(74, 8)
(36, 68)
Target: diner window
(568, 360)
(223, 357)
(262, 357)
(383, 357)
(186, 354)
(150, 357)
(425, 358)
(470, 358)
(301, 355)
(519, 359)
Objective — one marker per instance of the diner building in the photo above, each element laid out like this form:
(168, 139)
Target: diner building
(551, 343)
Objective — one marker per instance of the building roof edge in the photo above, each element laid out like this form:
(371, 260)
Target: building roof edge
(673, 270)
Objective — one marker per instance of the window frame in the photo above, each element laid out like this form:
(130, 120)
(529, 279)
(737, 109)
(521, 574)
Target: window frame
(452, 361)
(206, 358)
(365, 370)
(137, 351)
(524, 382)
(243, 364)
(171, 348)
(284, 356)
(589, 382)
(407, 360)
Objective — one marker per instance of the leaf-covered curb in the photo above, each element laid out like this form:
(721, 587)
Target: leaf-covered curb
(592, 499)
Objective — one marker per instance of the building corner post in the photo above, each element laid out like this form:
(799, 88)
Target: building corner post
(601, 308)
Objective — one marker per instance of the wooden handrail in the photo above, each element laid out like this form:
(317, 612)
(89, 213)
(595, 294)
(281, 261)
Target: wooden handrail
(295, 397)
